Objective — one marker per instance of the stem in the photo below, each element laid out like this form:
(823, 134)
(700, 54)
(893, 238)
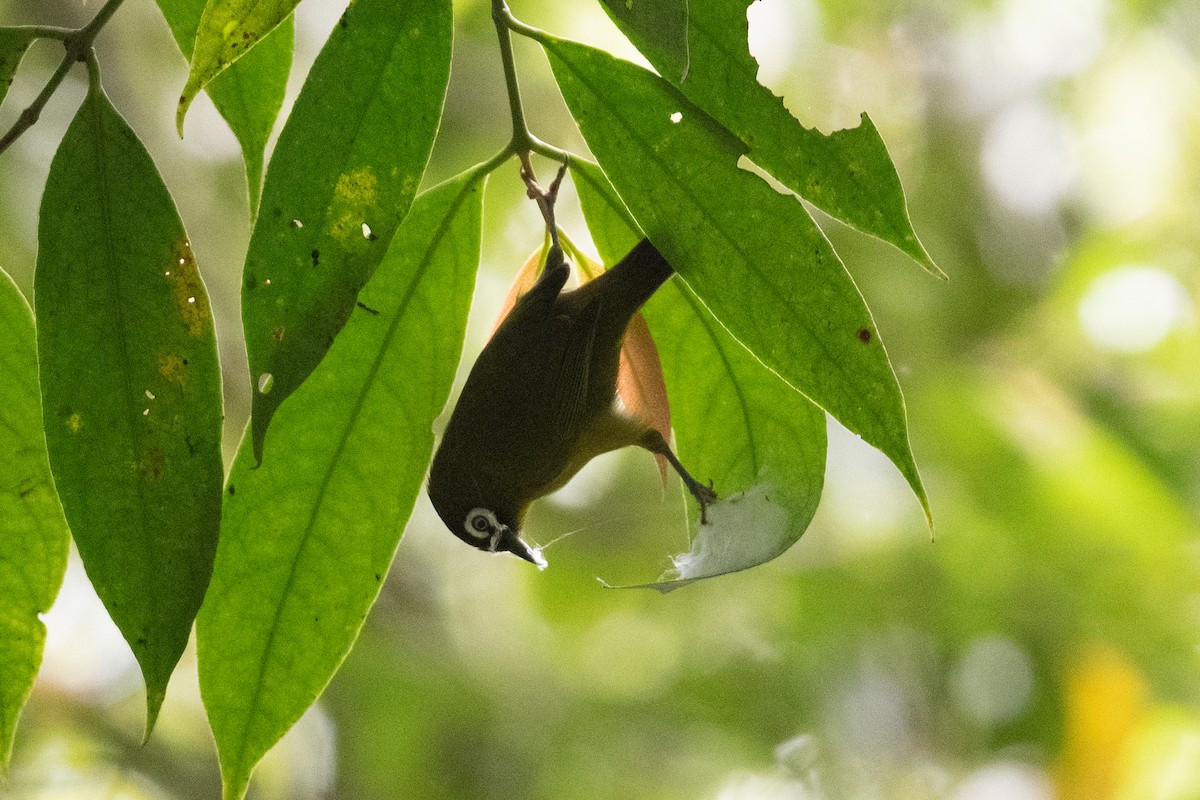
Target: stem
(528, 31)
(520, 142)
(523, 143)
(87, 34)
(78, 44)
(47, 32)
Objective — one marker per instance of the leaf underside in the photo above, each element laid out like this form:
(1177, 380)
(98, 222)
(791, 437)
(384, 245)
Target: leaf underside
(753, 257)
(131, 387)
(661, 25)
(759, 441)
(250, 92)
(848, 174)
(342, 176)
(33, 532)
(13, 44)
(226, 31)
(308, 536)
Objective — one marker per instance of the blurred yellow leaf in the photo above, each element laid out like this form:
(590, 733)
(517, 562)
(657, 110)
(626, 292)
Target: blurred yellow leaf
(1105, 699)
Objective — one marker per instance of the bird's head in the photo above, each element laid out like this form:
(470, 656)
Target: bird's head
(494, 531)
(482, 528)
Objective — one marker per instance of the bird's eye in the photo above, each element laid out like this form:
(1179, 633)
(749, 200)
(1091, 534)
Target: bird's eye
(480, 523)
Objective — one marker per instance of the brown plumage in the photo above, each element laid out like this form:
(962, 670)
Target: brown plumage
(540, 402)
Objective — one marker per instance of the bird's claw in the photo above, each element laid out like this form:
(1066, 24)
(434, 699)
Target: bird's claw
(545, 198)
(705, 496)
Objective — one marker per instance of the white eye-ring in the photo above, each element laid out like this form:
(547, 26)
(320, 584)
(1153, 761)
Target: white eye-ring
(481, 523)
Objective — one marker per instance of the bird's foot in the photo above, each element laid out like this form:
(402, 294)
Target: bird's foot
(545, 198)
(705, 496)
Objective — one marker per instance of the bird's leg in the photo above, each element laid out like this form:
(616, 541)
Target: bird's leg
(653, 441)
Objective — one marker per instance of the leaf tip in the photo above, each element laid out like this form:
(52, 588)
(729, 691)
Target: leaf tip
(185, 102)
(918, 488)
(154, 699)
(921, 256)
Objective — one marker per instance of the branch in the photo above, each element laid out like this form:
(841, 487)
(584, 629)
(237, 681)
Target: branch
(523, 142)
(78, 44)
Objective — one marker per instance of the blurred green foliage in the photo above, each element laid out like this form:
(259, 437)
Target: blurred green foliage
(1043, 644)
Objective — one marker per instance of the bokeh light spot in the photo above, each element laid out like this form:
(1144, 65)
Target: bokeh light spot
(1005, 781)
(1131, 309)
(994, 680)
(1027, 158)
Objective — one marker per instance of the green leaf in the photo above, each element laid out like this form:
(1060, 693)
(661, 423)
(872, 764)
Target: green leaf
(33, 532)
(613, 229)
(847, 174)
(249, 96)
(342, 176)
(760, 441)
(13, 44)
(250, 93)
(308, 536)
(226, 31)
(661, 26)
(753, 256)
(131, 387)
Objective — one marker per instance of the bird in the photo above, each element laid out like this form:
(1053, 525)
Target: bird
(540, 402)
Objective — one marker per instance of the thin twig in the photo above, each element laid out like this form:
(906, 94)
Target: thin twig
(523, 143)
(78, 44)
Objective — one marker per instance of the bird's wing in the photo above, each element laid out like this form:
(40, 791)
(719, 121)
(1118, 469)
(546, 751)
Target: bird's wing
(576, 338)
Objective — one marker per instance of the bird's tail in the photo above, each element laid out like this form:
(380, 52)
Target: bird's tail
(633, 279)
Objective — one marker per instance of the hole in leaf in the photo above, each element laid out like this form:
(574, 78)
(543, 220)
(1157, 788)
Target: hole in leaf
(266, 382)
(677, 117)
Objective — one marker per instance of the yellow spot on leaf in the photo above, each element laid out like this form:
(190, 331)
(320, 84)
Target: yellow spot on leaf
(75, 422)
(171, 367)
(355, 193)
(188, 290)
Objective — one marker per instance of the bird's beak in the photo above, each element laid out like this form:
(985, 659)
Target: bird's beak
(511, 543)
